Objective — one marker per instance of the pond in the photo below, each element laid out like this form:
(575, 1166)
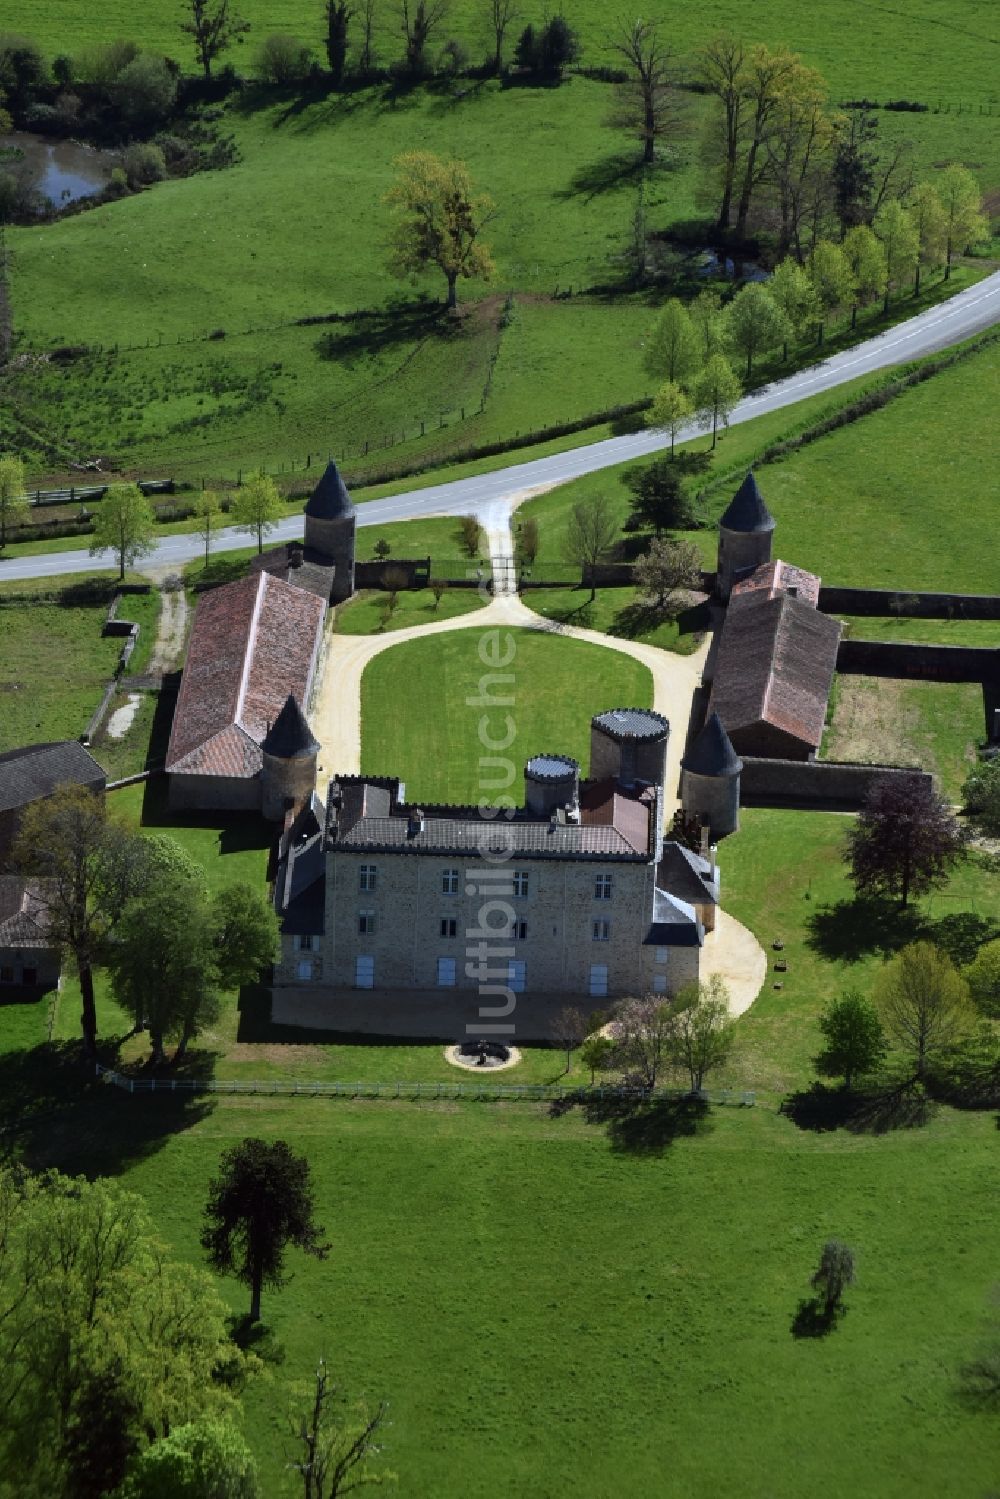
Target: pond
(60, 171)
(715, 263)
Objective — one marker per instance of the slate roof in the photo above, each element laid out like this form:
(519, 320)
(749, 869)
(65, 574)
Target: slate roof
(330, 499)
(300, 887)
(22, 913)
(301, 566)
(252, 643)
(686, 875)
(746, 510)
(674, 923)
(712, 753)
(772, 578)
(553, 768)
(368, 815)
(290, 737)
(775, 665)
(631, 723)
(35, 770)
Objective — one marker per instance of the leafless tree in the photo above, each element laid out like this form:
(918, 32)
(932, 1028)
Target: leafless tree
(366, 60)
(641, 1030)
(418, 22)
(644, 103)
(335, 1455)
(569, 1030)
(668, 572)
(721, 69)
(592, 528)
(503, 14)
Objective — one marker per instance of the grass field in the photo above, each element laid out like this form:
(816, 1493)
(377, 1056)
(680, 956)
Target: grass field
(416, 722)
(369, 614)
(621, 612)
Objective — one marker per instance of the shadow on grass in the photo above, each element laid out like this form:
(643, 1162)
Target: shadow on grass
(873, 1111)
(238, 832)
(256, 1337)
(374, 335)
(814, 1319)
(853, 929)
(640, 1126)
(54, 1112)
(606, 175)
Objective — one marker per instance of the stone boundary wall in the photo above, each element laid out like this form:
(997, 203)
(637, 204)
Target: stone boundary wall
(901, 603)
(816, 785)
(372, 574)
(932, 663)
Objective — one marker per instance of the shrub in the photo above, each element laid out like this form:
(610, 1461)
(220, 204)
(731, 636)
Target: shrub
(454, 58)
(469, 526)
(118, 182)
(62, 70)
(143, 163)
(545, 53)
(283, 59)
(981, 796)
(145, 91)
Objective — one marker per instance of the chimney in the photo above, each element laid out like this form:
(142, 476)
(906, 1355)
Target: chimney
(711, 857)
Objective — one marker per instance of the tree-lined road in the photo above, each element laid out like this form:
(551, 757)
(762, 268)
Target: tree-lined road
(491, 496)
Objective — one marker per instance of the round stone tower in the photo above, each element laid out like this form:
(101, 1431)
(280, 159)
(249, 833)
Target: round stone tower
(629, 745)
(288, 777)
(746, 531)
(330, 526)
(551, 782)
(710, 780)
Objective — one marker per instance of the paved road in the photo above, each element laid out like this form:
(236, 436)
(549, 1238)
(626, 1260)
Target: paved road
(491, 496)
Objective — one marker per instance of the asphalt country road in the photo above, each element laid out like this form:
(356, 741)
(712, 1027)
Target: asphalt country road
(492, 496)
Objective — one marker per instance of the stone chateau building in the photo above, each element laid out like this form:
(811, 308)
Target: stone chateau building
(576, 894)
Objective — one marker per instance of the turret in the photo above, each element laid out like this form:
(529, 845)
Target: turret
(288, 777)
(746, 531)
(629, 745)
(551, 785)
(330, 523)
(710, 780)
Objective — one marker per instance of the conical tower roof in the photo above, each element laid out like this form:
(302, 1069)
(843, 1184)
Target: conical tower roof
(712, 753)
(290, 737)
(330, 499)
(747, 511)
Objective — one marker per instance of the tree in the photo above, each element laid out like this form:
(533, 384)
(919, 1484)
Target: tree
(855, 1041)
(640, 1030)
(928, 216)
(923, 1002)
(963, 217)
(381, 549)
(246, 935)
(863, 177)
(716, 391)
(755, 323)
(366, 61)
(418, 23)
(13, 500)
(721, 70)
(471, 534)
(283, 59)
(905, 841)
(981, 796)
(438, 221)
(644, 103)
(106, 1343)
(547, 52)
(898, 238)
(793, 292)
(527, 540)
(214, 28)
(591, 529)
(767, 78)
(668, 572)
(869, 267)
(339, 14)
(569, 1030)
(502, 13)
(336, 1453)
(661, 502)
(125, 524)
(673, 350)
(257, 508)
(91, 866)
(205, 1459)
(798, 153)
(163, 963)
(832, 1278)
(261, 1202)
(701, 1035)
(207, 510)
(983, 978)
(597, 1053)
(830, 275)
(145, 92)
(670, 412)
(706, 315)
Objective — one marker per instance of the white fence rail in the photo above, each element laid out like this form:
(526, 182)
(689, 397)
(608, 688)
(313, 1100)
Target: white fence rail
(482, 1089)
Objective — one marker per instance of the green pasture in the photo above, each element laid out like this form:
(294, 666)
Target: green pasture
(417, 721)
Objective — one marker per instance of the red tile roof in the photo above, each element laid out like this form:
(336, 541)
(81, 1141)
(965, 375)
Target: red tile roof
(606, 804)
(252, 643)
(777, 577)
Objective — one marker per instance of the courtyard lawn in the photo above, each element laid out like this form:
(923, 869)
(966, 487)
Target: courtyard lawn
(420, 708)
(368, 613)
(438, 537)
(621, 612)
(936, 725)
